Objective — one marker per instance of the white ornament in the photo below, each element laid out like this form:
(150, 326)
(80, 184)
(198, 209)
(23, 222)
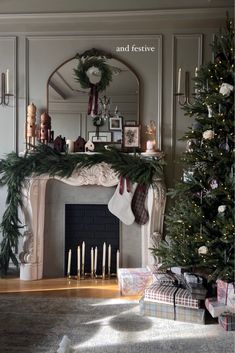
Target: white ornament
(226, 89)
(221, 208)
(203, 250)
(210, 112)
(208, 134)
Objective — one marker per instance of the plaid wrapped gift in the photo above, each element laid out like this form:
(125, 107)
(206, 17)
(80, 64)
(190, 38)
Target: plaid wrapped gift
(226, 293)
(133, 281)
(166, 311)
(227, 321)
(197, 290)
(171, 295)
(214, 307)
(192, 278)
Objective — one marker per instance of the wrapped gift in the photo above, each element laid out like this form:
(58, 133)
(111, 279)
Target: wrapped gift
(197, 290)
(226, 294)
(166, 311)
(177, 270)
(133, 281)
(192, 278)
(170, 294)
(214, 307)
(227, 321)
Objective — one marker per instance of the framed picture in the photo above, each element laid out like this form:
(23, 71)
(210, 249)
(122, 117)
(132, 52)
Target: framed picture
(131, 136)
(130, 122)
(115, 123)
(104, 136)
(117, 136)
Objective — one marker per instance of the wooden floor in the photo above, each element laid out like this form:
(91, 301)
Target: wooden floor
(86, 288)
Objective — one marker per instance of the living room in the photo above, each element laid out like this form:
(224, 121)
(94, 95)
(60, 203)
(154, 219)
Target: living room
(115, 176)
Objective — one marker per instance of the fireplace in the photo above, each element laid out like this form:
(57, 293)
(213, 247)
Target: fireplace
(94, 225)
(45, 201)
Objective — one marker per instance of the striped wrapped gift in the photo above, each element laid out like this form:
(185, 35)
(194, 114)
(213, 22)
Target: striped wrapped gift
(170, 294)
(166, 311)
(227, 321)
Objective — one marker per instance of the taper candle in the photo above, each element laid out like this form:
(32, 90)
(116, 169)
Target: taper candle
(179, 80)
(7, 82)
(104, 255)
(95, 261)
(83, 253)
(92, 261)
(69, 262)
(78, 258)
(117, 259)
(109, 256)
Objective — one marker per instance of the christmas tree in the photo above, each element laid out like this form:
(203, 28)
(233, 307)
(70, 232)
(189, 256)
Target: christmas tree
(199, 226)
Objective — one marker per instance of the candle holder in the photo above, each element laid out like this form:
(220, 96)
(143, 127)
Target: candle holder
(109, 272)
(83, 271)
(5, 97)
(78, 275)
(103, 272)
(184, 98)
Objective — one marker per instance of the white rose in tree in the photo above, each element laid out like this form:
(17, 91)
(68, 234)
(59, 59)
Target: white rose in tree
(208, 134)
(203, 250)
(226, 89)
(221, 208)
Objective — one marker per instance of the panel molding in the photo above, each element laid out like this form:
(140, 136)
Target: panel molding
(175, 37)
(14, 99)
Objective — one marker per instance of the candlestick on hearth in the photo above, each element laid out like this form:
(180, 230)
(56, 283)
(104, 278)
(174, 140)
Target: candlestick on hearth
(69, 263)
(104, 260)
(83, 259)
(78, 263)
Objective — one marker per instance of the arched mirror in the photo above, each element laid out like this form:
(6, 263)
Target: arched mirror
(78, 108)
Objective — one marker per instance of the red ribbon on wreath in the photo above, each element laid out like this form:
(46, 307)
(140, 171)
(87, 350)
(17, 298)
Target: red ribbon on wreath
(93, 101)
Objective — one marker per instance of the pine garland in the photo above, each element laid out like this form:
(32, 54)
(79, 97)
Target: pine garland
(14, 171)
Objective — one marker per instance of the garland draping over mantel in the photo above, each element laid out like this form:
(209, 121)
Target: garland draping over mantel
(14, 170)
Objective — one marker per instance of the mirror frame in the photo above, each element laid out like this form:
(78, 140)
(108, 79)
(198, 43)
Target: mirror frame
(97, 53)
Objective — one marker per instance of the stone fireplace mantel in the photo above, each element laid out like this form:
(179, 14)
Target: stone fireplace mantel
(34, 193)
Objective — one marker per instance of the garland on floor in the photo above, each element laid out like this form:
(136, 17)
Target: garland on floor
(15, 169)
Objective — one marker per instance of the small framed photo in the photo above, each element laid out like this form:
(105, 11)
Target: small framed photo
(131, 136)
(117, 136)
(115, 123)
(104, 136)
(130, 122)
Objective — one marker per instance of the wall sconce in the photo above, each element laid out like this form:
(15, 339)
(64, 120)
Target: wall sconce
(184, 98)
(5, 93)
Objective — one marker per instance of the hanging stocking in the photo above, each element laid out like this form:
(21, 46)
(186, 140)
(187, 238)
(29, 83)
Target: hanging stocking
(120, 203)
(138, 204)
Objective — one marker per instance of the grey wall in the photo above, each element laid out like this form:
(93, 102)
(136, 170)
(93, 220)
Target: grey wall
(33, 44)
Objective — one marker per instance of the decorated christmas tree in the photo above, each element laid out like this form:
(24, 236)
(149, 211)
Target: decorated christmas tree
(199, 226)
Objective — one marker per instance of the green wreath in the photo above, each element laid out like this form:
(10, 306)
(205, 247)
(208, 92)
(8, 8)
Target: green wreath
(83, 79)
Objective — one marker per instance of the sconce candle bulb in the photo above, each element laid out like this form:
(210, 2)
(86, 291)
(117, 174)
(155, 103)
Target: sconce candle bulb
(5, 91)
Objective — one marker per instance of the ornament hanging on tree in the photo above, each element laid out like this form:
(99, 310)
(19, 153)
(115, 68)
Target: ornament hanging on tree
(210, 112)
(225, 145)
(201, 166)
(208, 135)
(219, 58)
(196, 125)
(221, 208)
(190, 144)
(187, 176)
(226, 89)
(214, 184)
(203, 250)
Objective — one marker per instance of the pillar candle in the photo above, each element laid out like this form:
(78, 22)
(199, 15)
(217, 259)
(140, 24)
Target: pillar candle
(78, 258)
(179, 80)
(117, 259)
(92, 260)
(83, 252)
(149, 145)
(109, 256)
(7, 81)
(104, 255)
(95, 262)
(69, 262)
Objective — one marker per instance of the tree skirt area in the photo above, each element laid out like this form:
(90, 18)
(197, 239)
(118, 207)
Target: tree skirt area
(36, 323)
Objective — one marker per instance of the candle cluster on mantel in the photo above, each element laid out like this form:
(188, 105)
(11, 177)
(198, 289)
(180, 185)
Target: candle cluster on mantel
(93, 254)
